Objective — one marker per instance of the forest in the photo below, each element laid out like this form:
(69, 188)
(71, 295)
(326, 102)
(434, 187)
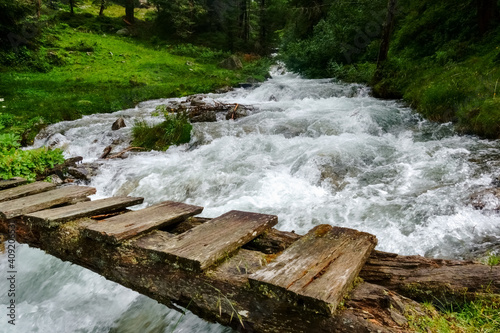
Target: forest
(61, 60)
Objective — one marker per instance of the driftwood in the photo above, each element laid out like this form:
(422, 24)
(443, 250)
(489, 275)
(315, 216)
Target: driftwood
(121, 154)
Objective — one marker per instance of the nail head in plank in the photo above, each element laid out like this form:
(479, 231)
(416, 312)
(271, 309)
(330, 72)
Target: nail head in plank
(119, 228)
(317, 269)
(25, 190)
(56, 216)
(40, 201)
(12, 182)
(206, 244)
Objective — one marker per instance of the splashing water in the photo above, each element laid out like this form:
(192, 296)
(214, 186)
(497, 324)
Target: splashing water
(311, 152)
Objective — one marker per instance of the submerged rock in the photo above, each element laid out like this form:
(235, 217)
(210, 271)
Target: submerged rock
(486, 199)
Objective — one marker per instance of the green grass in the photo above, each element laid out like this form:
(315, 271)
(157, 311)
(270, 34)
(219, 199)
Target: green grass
(480, 315)
(174, 130)
(82, 67)
(105, 73)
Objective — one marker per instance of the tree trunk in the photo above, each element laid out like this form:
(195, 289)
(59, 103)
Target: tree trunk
(101, 10)
(386, 37)
(425, 279)
(244, 20)
(263, 27)
(129, 11)
(71, 6)
(38, 8)
(487, 13)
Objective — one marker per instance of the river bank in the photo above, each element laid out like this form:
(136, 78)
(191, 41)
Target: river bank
(82, 66)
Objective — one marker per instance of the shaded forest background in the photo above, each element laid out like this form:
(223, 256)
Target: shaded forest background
(441, 56)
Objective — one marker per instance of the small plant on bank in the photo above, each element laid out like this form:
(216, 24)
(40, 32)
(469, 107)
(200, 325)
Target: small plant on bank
(174, 130)
(15, 162)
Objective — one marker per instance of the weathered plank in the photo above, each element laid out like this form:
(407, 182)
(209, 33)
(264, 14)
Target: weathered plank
(25, 190)
(317, 269)
(12, 182)
(36, 202)
(54, 217)
(206, 244)
(119, 228)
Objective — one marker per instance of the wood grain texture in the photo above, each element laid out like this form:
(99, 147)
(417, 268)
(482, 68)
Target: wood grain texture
(56, 216)
(40, 201)
(317, 270)
(206, 244)
(12, 182)
(25, 190)
(122, 227)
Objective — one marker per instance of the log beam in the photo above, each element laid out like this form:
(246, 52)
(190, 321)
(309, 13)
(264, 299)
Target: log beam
(220, 294)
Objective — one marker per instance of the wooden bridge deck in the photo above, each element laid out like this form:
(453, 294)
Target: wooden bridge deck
(219, 266)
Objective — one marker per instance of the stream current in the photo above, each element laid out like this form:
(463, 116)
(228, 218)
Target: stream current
(310, 151)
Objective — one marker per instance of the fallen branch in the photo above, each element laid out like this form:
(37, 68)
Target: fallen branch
(120, 154)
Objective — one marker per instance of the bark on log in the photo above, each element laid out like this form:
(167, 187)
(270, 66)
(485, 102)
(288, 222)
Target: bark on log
(223, 293)
(220, 294)
(429, 279)
(415, 277)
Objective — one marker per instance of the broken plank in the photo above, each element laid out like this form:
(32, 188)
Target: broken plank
(12, 182)
(316, 271)
(206, 244)
(40, 201)
(56, 216)
(25, 190)
(122, 227)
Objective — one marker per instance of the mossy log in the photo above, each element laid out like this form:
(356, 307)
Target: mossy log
(221, 294)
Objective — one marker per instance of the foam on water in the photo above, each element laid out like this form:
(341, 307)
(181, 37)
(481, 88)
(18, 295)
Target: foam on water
(311, 152)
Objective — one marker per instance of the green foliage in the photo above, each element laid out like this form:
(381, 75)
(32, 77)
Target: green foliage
(16, 162)
(179, 17)
(343, 34)
(12, 15)
(480, 315)
(174, 130)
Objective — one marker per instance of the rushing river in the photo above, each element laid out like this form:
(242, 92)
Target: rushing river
(311, 152)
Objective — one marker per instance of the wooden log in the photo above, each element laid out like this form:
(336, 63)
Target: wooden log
(206, 244)
(427, 279)
(12, 182)
(316, 271)
(422, 279)
(220, 293)
(33, 203)
(122, 227)
(25, 190)
(54, 217)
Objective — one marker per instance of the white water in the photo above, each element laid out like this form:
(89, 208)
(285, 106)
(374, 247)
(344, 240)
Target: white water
(312, 152)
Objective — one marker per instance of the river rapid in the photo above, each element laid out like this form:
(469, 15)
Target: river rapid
(311, 152)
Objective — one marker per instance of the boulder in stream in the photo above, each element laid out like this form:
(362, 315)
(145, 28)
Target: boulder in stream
(119, 123)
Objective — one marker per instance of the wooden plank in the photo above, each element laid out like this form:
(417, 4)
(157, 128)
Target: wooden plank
(206, 244)
(12, 182)
(54, 217)
(36, 202)
(119, 228)
(25, 190)
(316, 271)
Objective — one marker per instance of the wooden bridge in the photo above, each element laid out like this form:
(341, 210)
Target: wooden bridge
(234, 269)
